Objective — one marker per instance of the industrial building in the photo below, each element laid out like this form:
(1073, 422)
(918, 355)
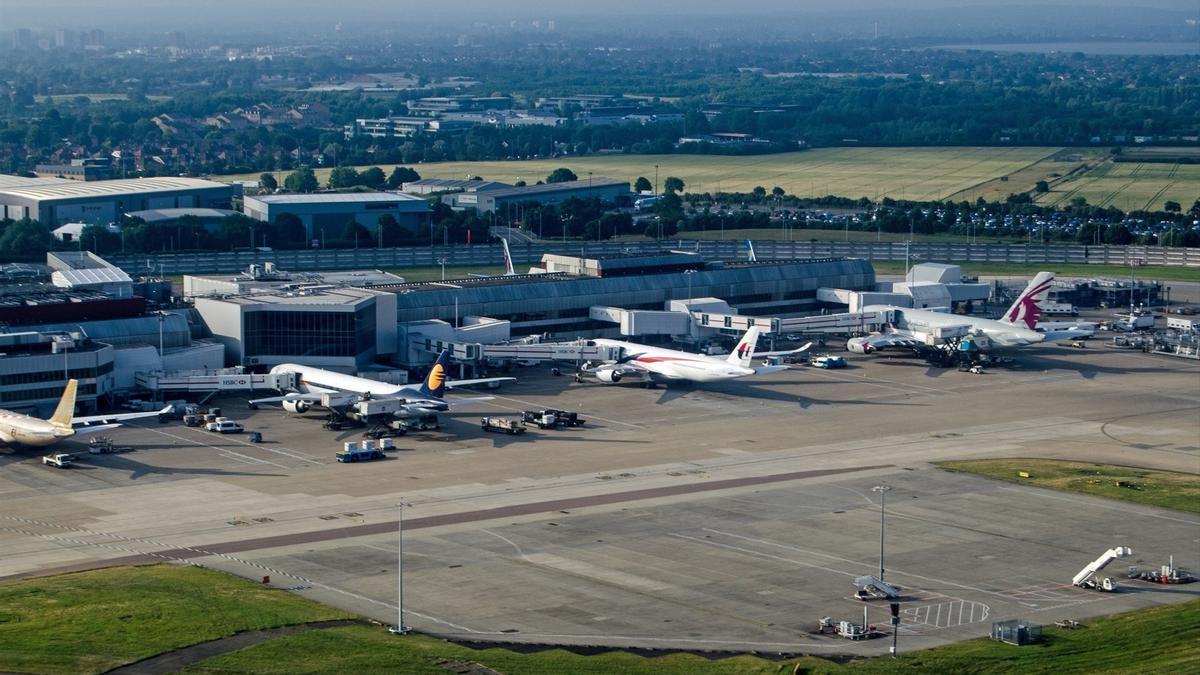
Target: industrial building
(92, 168)
(54, 201)
(85, 270)
(926, 286)
(326, 214)
(429, 186)
(607, 190)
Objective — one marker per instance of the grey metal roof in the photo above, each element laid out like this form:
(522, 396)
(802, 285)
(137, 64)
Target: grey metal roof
(69, 189)
(337, 197)
(568, 186)
(456, 184)
(158, 215)
(90, 275)
(10, 181)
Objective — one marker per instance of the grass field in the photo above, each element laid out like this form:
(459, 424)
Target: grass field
(780, 234)
(1166, 489)
(1129, 186)
(901, 173)
(1163, 639)
(95, 621)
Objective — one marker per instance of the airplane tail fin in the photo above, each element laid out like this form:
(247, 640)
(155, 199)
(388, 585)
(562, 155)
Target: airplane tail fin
(508, 263)
(1025, 312)
(744, 352)
(434, 385)
(750, 256)
(65, 412)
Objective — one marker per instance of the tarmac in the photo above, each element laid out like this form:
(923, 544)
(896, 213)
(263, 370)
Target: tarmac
(708, 517)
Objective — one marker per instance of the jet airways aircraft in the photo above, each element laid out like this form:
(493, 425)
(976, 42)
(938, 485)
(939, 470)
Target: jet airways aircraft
(655, 364)
(313, 383)
(911, 327)
(19, 429)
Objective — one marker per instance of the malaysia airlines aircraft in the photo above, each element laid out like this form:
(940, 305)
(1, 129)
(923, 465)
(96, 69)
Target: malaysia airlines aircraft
(911, 327)
(19, 429)
(313, 383)
(655, 364)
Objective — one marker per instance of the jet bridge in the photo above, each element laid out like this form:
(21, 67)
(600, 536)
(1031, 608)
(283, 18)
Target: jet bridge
(209, 381)
(578, 350)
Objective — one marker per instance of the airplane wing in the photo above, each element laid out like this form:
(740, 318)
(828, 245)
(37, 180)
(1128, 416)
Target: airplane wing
(1067, 334)
(311, 398)
(785, 352)
(468, 399)
(83, 431)
(118, 417)
(483, 380)
(878, 341)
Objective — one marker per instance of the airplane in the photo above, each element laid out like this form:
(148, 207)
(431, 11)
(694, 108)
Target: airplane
(911, 327)
(18, 429)
(656, 364)
(312, 383)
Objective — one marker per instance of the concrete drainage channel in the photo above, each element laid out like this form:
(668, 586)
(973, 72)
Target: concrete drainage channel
(178, 659)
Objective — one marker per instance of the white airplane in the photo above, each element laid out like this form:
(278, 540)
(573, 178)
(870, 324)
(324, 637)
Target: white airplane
(19, 429)
(312, 384)
(655, 364)
(911, 327)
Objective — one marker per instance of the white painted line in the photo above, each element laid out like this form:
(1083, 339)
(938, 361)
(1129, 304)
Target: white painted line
(214, 447)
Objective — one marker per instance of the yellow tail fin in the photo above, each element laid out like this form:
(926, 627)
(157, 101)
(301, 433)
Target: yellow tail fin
(65, 411)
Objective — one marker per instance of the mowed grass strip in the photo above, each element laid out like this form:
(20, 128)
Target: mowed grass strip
(1161, 640)
(903, 173)
(90, 622)
(1166, 489)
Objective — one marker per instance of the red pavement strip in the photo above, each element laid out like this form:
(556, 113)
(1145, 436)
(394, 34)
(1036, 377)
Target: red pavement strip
(439, 521)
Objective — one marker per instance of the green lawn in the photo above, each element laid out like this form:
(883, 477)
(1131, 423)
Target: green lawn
(455, 272)
(923, 173)
(1162, 640)
(1155, 272)
(1166, 489)
(94, 621)
(781, 234)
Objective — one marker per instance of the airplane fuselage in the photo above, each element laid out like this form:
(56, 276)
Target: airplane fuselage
(31, 431)
(673, 364)
(923, 322)
(311, 380)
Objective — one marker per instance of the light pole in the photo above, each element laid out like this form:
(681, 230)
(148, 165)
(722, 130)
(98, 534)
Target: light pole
(161, 318)
(400, 628)
(656, 179)
(882, 490)
(442, 262)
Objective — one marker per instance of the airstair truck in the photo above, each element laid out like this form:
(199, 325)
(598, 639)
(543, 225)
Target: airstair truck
(1087, 576)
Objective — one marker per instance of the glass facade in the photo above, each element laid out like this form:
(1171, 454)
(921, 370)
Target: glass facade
(55, 375)
(299, 333)
(44, 393)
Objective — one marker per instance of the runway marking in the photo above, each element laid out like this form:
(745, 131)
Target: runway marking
(215, 447)
(581, 411)
(531, 508)
(510, 542)
(759, 554)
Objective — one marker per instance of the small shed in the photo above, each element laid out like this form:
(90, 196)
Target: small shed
(1016, 632)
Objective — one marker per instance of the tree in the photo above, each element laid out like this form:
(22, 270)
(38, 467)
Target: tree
(642, 184)
(354, 234)
(401, 175)
(759, 191)
(99, 239)
(288, 231)
(673, 184)
(26, 239)
(268, 182)
(1041, 186)
(390, 232)
(301, 180)
(1172, 206)
(343, 177)
(777, 192)
(561, 175)
(372, 178)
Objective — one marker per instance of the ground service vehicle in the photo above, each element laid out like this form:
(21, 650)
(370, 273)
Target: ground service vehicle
(502, 425)
(359, 454)
(829, 362)
(226, 426)
(1059, 309)
(551, 419)
(59, 460)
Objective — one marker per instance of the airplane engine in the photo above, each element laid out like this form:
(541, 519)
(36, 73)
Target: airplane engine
(859, 346)
(610, 376)
(298, 407)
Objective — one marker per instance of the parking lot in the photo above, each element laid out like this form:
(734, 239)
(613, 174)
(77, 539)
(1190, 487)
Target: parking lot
(730, 516)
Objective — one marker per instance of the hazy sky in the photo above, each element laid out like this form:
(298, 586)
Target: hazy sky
(239, 16)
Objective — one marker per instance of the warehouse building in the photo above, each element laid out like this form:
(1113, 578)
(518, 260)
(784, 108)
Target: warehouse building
(54, 201)
(607, 190)
(327, 214)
